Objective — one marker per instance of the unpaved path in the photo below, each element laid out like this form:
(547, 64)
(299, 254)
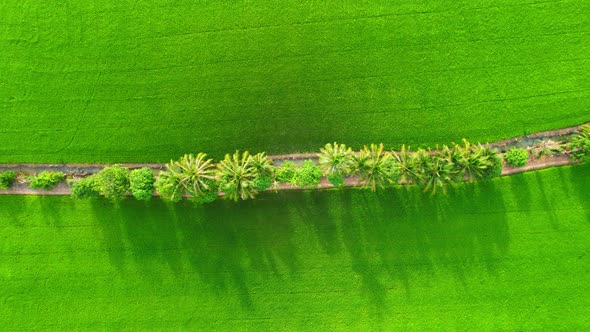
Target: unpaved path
(75, 171)
(21, 188)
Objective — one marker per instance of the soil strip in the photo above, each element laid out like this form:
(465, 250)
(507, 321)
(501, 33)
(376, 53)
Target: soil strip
(77, 170)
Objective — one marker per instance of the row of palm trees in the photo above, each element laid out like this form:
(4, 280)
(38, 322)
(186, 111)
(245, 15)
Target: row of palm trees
(434, 170)
(198, 178)
(242, 175)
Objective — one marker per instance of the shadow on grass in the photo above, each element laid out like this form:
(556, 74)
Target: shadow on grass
(234, 248)
(110, 221)
(576, 180)
(14, 208)
(401, 233)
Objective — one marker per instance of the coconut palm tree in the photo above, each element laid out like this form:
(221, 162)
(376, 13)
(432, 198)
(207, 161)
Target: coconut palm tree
(491, 160)
(469, 160)
(194, 175)
(261, 164)
(264, 168)
(404, 166)
(579, 144)
(236, 176)
(336, 159)
(421, 164)
(459, 157)
(438, 172)
(372, 166)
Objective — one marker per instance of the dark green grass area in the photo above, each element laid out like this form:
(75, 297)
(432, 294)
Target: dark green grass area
(124, 81)
(512, 254)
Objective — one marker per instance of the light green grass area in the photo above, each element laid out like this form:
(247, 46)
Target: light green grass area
(512, 254)
(137, 80)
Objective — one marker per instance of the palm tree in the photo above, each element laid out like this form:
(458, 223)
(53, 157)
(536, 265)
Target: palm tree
(190, 174)
(421, 164)
(264, 168)
(404, 166)
(438, 172)
(372, 166)
(492, 161)
(471, 163)
(580, 144)
(262, 164)
(459, 157)
(236, 176)
(336, 159)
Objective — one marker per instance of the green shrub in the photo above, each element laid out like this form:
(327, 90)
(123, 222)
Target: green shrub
(494, 170)
(46, 180)
(84, 188)
(286, 172)
(580, 144)
(141, 183)
(336, 180)
(516, 157)
(263, 182)
(113, 182)
(168, 188)
(6, 179)
(307, 176)
(207, 196)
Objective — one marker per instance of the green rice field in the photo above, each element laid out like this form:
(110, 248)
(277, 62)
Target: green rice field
(137, 80)
(512, 254)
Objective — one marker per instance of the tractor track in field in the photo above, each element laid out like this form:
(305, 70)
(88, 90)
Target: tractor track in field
(79, 170)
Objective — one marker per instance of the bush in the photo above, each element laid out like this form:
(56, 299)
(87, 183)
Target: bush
(46, 180)
(516, 157)
(209, 195)
(494, 170)
(141, 183)
(113, 182)
(6, 179)
(169, 188)
(307, 176)
(263, 182)
(286, 172)
(84, 188)
(580, 144)
(336, 180)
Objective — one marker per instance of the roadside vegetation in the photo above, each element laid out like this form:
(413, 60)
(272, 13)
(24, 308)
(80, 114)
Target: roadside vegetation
(6, 179)
(46, 180)
(242, 176)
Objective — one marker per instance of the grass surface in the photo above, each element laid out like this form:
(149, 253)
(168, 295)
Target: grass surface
(512, 254)
(125, 81)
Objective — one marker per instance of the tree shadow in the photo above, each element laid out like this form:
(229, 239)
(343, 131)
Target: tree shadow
(14, 207)
(51, 208)
(484, 221)
(234, 247)
(416, 234)
(355, 240)
(547, 203)
(315, 213)
(151, 238)
(521, 193)
(576, 180)
(108, 217)
(267, 236)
